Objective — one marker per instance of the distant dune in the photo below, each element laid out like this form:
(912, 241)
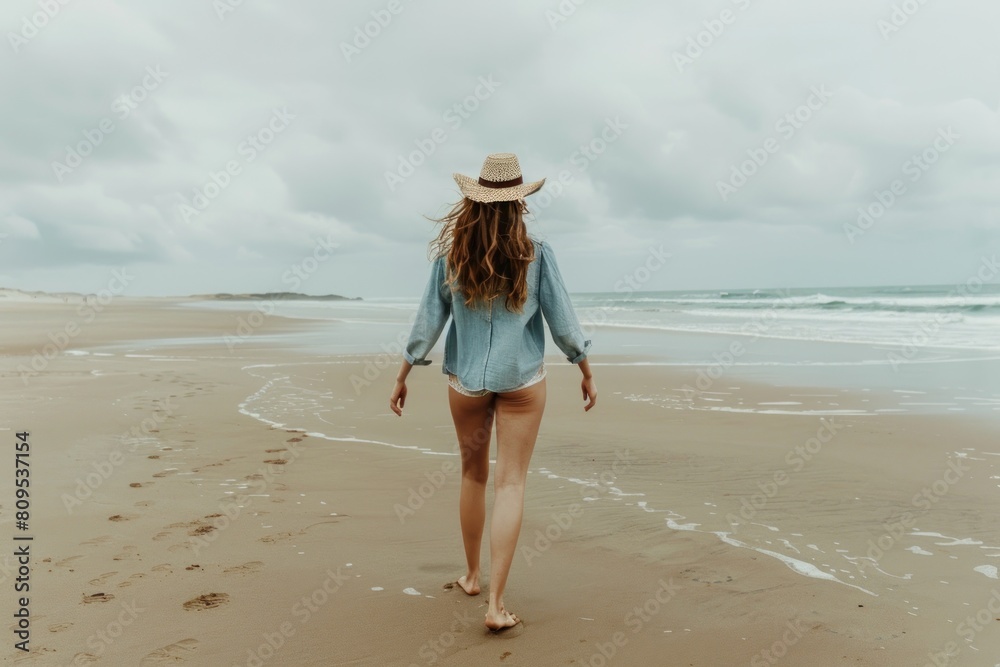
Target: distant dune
(8, 295)
(288, 296)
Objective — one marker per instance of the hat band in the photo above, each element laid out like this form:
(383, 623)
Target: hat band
(501, 184)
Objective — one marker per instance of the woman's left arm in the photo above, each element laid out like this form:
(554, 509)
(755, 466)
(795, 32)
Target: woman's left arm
(398, 397)
(432, 315)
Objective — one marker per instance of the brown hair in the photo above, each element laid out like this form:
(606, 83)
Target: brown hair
(488, 251)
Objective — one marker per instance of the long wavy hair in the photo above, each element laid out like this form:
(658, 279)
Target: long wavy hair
(488, 251)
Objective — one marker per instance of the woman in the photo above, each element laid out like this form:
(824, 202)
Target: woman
(497, 284)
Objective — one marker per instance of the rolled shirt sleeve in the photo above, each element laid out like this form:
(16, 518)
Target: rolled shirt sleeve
(432, 315)
(558, 310)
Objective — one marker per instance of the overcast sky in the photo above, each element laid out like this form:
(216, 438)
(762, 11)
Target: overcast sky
(120, 119)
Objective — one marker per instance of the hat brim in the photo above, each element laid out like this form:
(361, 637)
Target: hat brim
(471, 188)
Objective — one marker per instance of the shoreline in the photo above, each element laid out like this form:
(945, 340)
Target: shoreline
(313, 336)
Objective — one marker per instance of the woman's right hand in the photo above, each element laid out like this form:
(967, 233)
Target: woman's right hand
(589, 388)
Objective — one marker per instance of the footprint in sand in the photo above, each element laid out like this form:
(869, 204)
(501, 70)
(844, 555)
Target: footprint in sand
(276, 462)
(171, 653)
(84, 659)
(139, 485)
(294, 440)
(59, 627)
(162, 535)
(153, 456)
(163, 567)
(35, 654)
(97, 581)
(164, 473)
(207, 601)
(122, 517)
(144, 503)
(67, 561)
(97, 597)
(131, 580)
(713, 577)
(207, 465)
(246, 568)
(97, 540)
(201, 530)
(278, 537)
(272, 451)
(128, 552)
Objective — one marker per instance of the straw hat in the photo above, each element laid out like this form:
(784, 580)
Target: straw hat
(499, 180)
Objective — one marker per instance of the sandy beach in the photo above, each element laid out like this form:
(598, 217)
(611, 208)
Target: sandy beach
(176, 521)
(768, 232)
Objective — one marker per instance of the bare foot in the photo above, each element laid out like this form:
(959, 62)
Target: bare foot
(501, 621)
(463, 581)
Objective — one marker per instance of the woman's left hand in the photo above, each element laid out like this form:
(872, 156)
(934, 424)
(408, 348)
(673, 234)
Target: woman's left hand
(398, 397)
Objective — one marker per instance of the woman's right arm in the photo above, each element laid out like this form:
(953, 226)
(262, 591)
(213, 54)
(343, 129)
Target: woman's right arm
(553, 298)
(588, 386)
(564, 326)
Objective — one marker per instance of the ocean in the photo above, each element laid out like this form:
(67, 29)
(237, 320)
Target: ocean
(921, 348)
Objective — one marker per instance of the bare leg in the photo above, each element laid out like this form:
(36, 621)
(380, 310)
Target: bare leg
(518, 415)
(473, 417)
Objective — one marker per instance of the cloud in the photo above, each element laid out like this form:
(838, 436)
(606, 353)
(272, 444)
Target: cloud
(411, 98)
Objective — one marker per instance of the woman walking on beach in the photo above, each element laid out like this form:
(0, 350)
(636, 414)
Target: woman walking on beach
(496, 283)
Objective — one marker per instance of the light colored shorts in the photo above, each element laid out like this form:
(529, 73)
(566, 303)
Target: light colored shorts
(457, 386)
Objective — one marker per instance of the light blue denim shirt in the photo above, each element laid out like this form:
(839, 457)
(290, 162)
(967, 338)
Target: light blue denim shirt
(490, 347)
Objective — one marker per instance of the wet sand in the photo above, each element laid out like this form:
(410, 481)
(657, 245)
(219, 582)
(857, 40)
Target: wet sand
(207, 506)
